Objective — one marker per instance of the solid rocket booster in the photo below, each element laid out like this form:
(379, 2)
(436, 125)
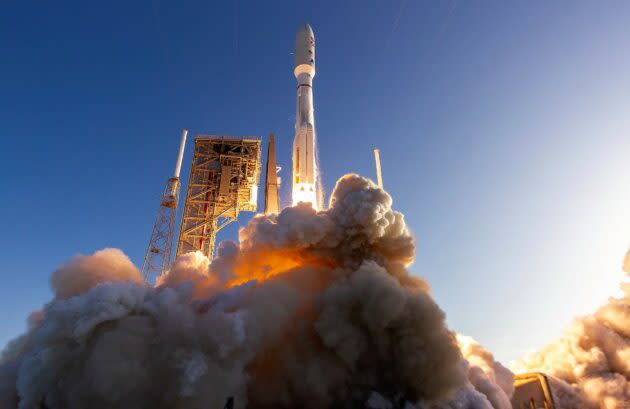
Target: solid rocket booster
(304, 150)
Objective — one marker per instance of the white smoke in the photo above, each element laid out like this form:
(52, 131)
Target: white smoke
(311, 310)
(487, 375)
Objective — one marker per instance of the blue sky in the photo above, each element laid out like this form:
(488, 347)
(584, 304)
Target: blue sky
(504, 132)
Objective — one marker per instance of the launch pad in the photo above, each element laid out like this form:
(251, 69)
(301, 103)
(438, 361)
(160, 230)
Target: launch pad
(223, 181)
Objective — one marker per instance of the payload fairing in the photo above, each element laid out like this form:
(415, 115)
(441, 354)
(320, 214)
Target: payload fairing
(304, 144)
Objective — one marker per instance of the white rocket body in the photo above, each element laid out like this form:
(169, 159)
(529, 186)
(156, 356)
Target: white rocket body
(304, 145)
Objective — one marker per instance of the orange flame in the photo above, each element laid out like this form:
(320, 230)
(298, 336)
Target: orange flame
(261, 265)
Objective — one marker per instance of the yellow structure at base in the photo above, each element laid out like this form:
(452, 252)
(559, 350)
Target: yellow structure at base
(532, 391)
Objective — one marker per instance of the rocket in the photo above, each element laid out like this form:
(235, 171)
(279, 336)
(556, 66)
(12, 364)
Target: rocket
(304, 147)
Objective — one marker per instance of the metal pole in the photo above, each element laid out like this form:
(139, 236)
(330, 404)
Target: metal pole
(377, 159)
(178, 165)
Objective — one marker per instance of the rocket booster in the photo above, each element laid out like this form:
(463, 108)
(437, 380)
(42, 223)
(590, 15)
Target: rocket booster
(304, 150)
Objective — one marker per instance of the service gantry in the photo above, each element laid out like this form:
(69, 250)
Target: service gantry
(223, 181)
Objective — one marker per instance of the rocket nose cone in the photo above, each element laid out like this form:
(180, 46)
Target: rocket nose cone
(304, 35)
(305, 29)
(305, 46)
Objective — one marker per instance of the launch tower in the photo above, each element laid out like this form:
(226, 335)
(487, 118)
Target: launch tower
(223, 181)
(158, 256)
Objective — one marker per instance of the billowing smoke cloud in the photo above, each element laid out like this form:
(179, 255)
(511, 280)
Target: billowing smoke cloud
(85, 272)
(592, 356)
(489, 384)
(487, 375)
(311, 310)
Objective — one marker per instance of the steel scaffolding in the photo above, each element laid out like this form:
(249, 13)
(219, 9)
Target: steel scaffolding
(223, 181)
(158, 257)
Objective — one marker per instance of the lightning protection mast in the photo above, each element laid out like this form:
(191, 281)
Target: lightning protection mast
(158, 257)
(377, 160)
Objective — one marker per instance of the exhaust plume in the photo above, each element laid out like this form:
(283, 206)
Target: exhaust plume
(312, 309)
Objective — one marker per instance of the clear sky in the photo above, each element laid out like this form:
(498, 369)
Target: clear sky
(504, 130)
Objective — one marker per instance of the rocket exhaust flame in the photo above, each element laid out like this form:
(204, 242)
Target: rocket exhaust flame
(305, 192)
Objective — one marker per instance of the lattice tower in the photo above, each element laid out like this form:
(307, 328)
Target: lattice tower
(157, 259)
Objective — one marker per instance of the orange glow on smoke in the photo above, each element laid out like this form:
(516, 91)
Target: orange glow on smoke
(264, 264)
